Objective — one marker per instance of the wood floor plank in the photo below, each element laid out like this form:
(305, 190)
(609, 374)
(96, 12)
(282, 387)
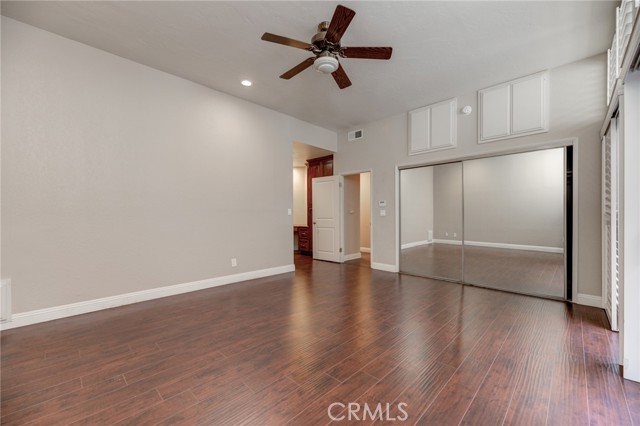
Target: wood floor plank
(606, 399)
(452, 402)
(632, 393)
(421, 392)
(158, 412)
(568, 403)
(297, 401)
(317, 412)
(530, 401)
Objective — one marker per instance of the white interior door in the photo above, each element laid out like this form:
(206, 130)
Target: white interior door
(326, 218)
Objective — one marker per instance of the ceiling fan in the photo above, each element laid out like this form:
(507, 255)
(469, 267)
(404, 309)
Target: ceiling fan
(325, 45)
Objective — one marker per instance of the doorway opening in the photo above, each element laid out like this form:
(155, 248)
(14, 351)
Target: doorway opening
(357, 219)
(304, 169)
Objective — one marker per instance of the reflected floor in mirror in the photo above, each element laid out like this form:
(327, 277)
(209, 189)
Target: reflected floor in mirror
(433, 260)
(521, 271)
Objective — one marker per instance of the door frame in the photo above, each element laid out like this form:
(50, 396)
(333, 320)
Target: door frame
(351, 173)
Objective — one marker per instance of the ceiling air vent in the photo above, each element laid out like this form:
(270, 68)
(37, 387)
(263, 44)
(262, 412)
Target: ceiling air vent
(355, 135)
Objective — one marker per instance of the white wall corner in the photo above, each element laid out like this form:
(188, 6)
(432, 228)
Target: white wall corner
(589, 300)
(48, 314)
(384, 267)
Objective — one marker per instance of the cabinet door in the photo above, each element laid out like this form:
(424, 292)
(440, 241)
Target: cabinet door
(528, 105)
(443, 125)
(433, 127)
(495, 111)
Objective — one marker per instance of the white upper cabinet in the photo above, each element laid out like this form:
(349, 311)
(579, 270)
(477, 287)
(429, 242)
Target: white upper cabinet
(495, 112)
(516, 108)
(433, 127)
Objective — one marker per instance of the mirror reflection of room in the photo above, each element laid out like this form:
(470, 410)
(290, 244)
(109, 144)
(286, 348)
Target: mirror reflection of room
(431, 221)
(512, 236)
(514, 222)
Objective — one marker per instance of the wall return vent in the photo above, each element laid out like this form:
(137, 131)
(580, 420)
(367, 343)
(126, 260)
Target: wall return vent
(355, 135)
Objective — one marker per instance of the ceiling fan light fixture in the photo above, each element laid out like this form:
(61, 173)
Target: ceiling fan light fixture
(326, 63)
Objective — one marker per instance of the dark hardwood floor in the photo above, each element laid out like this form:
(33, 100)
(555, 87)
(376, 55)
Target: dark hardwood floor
(281, 350)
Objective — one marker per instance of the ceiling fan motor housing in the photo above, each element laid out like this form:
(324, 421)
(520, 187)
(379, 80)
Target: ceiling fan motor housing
(326, 63)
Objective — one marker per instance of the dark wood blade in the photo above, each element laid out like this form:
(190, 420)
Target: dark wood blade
(341, 19)
(298, 68)
(286, 41)
(367, 52)
(340, 76)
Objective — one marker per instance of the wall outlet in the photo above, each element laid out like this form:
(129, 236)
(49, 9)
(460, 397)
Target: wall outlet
(288, 212)
(455, 235)
(234, 262)
(446, 234)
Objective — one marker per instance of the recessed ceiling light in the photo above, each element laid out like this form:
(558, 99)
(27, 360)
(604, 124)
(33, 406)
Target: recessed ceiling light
(246, 83)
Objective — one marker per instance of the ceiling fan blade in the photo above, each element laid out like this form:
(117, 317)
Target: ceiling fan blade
(286, 41)
(340, 76)
(298, 68)
(367, 52)
(341, 19)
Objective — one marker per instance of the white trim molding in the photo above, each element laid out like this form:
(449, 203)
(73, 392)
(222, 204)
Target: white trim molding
(452, 242)
(589, 300)
(352, 256)
(48, 314)
(416, 244)
(515, 246)
(384, 267)
(365, 249)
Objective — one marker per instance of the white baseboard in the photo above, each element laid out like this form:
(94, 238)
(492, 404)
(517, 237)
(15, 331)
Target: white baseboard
(48, 314)
(589, 300)
(384, 267)
(515, 246)
(352, 256)
(452, 242)
(416, 244)
(365, 250)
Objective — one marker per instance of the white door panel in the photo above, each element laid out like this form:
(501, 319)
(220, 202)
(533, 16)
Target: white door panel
(326, 218)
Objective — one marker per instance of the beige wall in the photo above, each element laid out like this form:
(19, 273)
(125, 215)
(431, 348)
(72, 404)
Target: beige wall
(577, 106)
(416, 196)
(447, 202)
(118, 178)
(300, 196)
(365, 210)
(515, 199)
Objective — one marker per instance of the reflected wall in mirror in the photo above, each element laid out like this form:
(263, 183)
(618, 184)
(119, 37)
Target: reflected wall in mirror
(514, 222)
(431, 221)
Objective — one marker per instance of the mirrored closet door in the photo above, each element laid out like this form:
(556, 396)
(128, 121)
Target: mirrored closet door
(514, 222)
(495, 222)
(431, 221)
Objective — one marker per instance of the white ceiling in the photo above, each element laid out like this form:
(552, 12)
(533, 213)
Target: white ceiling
(441, 49)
